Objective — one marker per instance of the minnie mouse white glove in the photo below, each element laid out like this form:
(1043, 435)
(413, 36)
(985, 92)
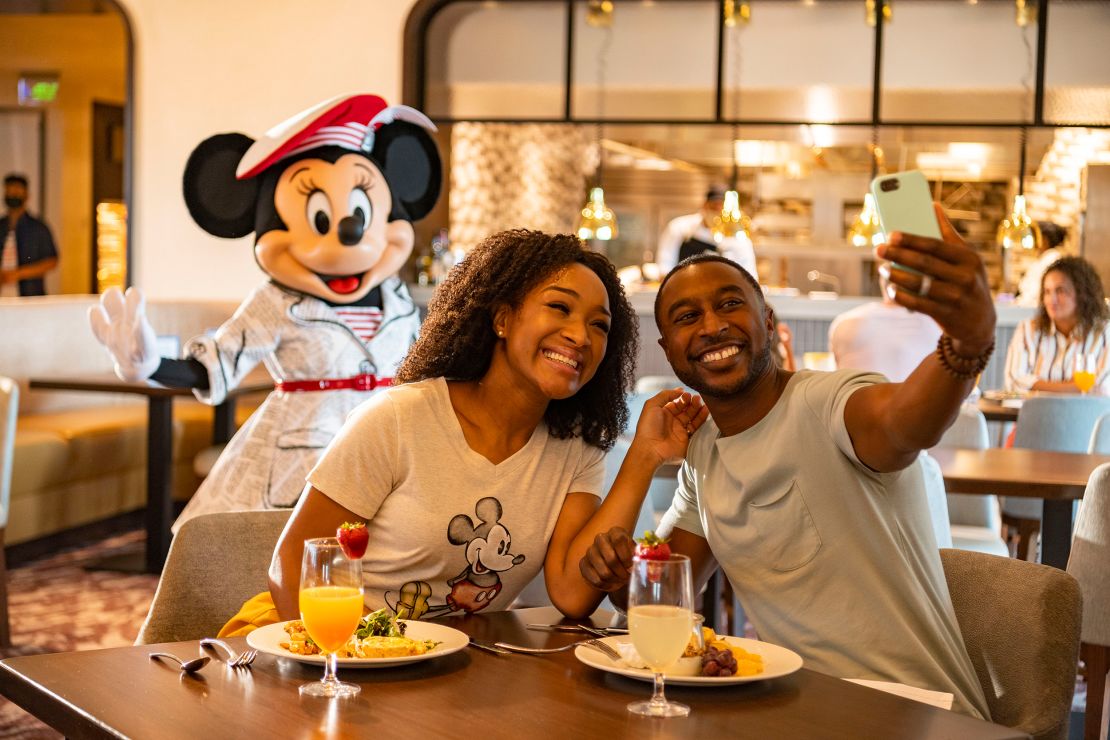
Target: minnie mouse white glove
(120, 324)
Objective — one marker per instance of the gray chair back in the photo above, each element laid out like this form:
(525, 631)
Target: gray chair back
(9, 410)
(216, 562)
(1090, 557)
(938, 504)
(1100, 437)
(971, 510)
(1059, 423)
(1020, 623)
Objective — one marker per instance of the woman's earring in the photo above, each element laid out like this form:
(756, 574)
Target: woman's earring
(501, 333)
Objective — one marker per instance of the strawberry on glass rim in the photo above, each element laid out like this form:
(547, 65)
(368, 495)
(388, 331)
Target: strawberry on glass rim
(353, 538)
(652, 547)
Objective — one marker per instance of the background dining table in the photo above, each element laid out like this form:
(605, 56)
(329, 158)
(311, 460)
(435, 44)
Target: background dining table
(1058, 478)
(120, 692)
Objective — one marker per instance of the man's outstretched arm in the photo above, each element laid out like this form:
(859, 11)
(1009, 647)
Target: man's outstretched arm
(891, 423)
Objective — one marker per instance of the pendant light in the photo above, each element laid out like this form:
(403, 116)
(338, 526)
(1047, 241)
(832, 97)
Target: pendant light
(865, 231)
(596, 220)
(1017, 231)
(731, 222)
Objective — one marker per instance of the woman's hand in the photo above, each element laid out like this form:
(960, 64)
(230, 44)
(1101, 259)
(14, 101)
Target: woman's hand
(668, 420)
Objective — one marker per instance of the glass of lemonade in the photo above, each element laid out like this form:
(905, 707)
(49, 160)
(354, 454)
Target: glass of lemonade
(331, 606)
(660, 621)
(1084, 373)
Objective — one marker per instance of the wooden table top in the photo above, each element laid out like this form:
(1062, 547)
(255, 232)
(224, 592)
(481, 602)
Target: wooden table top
(120, 692)
(110, 383)
(1018, 472)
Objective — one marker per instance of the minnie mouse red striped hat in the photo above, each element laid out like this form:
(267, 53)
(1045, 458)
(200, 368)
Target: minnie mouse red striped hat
(346, 121)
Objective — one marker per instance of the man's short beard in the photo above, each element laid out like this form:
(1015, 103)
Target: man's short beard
(760, 364)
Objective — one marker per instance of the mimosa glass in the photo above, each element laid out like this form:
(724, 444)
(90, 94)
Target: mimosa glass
(1084, 374)
(331, 606)
(660, 621)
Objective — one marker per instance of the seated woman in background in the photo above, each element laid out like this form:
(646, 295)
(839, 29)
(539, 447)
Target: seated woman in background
(1070, 323)
(484, 464)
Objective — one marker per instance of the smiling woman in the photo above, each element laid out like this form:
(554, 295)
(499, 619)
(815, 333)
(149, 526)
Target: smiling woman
(1070, 331)
(486, 463)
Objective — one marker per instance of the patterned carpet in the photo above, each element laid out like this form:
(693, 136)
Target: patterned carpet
(56, 605)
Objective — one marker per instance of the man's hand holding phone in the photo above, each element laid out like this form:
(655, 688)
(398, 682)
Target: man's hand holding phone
(945, 279)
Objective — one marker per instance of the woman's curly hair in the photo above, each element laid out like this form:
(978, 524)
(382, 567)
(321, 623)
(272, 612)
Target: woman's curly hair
(457, 338)
(1090, 302)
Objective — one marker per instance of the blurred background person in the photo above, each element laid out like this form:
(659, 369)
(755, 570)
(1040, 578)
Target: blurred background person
(1070, 323)
(782, 344)
(27, 249)
(882, 337)
(688, 235)
(1052, 236)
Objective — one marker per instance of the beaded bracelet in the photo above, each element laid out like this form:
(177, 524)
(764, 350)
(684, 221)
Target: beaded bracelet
(961, 368)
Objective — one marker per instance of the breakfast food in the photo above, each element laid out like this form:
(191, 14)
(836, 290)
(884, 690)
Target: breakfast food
(718, 658)
(353, 538)
(721, 658)
(379, 635)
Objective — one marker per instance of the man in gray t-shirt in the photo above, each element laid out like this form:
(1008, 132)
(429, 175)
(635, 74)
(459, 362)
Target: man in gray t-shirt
(805, 487)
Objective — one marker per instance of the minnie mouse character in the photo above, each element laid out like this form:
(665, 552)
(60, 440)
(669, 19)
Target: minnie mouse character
(330, 195)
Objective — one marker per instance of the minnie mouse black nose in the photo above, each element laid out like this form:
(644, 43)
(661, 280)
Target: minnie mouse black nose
(350, 231)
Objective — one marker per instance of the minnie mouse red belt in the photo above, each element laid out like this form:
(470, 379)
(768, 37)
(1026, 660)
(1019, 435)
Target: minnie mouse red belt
(364, 382)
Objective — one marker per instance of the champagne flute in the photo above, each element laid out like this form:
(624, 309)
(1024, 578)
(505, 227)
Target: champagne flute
(1084, 374)
(331, 607)
(660, 621)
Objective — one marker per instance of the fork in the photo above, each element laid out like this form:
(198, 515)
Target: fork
(240, 660)
(596, 644)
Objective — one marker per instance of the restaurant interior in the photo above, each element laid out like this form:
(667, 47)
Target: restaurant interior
(609, 120)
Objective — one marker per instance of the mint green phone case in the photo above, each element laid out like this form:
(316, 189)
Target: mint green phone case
(905, 204)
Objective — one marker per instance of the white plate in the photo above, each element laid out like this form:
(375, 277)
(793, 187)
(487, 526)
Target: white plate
(777, 661)
(267, 639)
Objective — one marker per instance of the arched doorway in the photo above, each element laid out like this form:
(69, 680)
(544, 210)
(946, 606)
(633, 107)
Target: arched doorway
(65, 112)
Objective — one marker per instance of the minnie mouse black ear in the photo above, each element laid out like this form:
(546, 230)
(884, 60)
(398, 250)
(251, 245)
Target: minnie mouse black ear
(409, 159)
(220, 204)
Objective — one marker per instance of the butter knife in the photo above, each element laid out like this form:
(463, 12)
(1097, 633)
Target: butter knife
(578, 628)
(489, 648)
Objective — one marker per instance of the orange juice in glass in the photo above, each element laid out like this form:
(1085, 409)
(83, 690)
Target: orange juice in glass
(1084, 373)
(331, 605)
(330, 615)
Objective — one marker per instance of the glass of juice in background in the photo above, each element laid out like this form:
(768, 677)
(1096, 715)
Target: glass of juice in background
(660, 622)
(1084, 374)
(331, 606)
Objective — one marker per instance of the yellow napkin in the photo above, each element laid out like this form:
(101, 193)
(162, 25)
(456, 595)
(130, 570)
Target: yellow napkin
(258, 611)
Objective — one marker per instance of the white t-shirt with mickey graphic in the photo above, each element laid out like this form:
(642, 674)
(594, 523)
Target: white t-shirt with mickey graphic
(450, 532)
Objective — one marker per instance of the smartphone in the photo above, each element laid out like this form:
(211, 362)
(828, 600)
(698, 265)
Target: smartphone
(905, 204)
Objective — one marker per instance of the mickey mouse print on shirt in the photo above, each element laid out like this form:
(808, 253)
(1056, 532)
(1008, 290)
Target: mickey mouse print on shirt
(330, 195)
(488, 553)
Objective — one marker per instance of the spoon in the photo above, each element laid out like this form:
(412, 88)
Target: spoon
(187, 666)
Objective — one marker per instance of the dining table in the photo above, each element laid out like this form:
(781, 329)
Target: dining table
(1058, 478)
(120, 692)
(159, 440)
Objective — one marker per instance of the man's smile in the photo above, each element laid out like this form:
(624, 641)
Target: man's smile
(718, 355)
